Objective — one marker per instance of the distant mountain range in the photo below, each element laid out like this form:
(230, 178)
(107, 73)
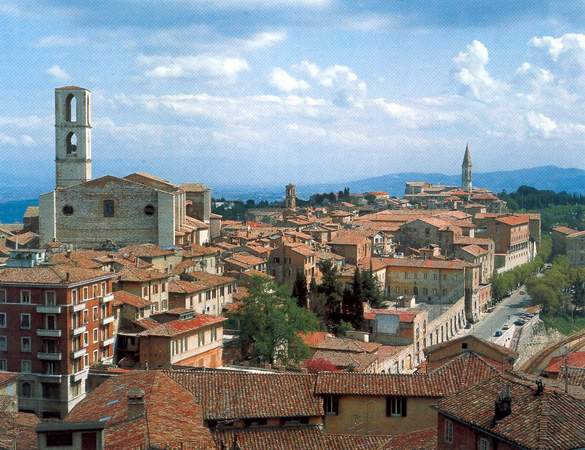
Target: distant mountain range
(546, 177)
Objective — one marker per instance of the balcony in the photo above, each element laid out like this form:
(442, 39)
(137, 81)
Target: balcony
(107, 320)
(48, 378)
(81, 375)
(79, 330)
(79, 353)
(49, 309)
(109, 341)
(43, 332)
(107, 298)
(79, 307)
(50, 356)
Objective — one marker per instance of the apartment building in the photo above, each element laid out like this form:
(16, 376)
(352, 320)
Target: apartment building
(55, 322)
(204, 293)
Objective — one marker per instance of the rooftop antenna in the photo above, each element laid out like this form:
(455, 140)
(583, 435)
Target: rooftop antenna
(565, 368)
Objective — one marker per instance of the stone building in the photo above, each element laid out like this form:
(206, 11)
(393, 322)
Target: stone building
(290, 201)
(89, 213)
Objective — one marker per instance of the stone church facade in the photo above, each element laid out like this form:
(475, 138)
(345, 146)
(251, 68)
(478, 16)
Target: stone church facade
(94, 213)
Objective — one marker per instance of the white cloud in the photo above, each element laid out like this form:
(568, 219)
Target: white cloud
(283, 81)
(470, 71)
(346, 86)
(263, 40)
(263, 4)
(23, 140)
(58, 73)
(61, 41)
(217, 68)
(541, 123)
(569, 42)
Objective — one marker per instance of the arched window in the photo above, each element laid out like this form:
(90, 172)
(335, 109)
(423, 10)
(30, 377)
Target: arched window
(71, 143)
(71, 108)
(25, 390)
(108, 208)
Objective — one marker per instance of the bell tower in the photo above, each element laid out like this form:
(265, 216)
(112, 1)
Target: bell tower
(466, 174)
(72, 136)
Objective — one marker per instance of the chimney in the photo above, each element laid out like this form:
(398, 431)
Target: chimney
(135, 403)
(539, 387)
(503, 406)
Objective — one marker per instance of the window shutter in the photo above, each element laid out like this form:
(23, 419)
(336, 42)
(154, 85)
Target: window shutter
(388, 406)
(404, 399)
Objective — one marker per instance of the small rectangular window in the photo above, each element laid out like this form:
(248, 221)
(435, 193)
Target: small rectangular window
(50, 298)
(2, 320)
(396, 406)
(331, 405)
(483, 444)
(25, 321)
(3, 365)
(24, 296)
(25, 365)
(108, 208)
(448, 431)
(3, 343)
(2, 295)
(25, 344)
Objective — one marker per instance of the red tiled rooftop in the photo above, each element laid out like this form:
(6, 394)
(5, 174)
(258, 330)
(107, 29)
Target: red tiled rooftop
(181, 326)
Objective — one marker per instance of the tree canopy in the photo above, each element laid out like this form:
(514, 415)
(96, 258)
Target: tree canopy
(270, 322)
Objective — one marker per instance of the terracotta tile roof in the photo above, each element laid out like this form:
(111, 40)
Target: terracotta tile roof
(146, 324)
(474, 250)
(211, 280)
(457, 341)
(550, 420)
(575, 376)
(301, 249)
(415, 440)
(127, 298)
(297, 438)
(139, 275)
(346, 345)
(185, 287)
(196, 250)
(18, 430)
(182, 326)
(246, 258)
(513, 220)
(314, 338)
(7, 377)
(165, 423)
(52, 275)
(229, 395)
(464, 370)
(146, 251)
(403, 316)
(466, 240)
(358, 362)
(575, 359)
(195, 223)
(147, 179)
(25, 238)
(348, 238)
(77, 259)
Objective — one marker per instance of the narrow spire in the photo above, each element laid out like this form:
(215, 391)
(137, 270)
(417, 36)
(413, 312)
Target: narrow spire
(467, 157)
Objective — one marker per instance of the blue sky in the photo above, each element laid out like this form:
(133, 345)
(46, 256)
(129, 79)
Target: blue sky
(270, 91)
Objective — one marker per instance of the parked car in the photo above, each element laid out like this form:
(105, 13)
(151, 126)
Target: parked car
(498, 333)
(519, 322)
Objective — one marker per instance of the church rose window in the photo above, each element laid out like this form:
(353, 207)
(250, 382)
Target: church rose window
(68, 210)
(149, 210)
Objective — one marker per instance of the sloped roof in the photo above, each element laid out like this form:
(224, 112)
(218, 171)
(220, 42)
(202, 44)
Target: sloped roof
(229, 395)
(54, 275)
(165, 423)
(549, 420)
(298, 438)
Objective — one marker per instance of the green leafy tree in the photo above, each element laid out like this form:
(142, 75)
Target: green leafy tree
(332, 291)
(300, 290)
(371, 291)
(270, 322)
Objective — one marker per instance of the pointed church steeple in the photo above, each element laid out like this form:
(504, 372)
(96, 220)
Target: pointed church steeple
(466, 174)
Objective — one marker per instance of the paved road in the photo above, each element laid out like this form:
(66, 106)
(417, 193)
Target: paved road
(511, 307)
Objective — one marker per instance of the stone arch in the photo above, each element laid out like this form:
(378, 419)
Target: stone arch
(71, 143)
(71, 110)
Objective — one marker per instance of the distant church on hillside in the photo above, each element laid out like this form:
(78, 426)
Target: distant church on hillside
(92, 213)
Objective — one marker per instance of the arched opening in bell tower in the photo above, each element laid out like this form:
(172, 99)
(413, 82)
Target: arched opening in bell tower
(71, 143)
(71, 108)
